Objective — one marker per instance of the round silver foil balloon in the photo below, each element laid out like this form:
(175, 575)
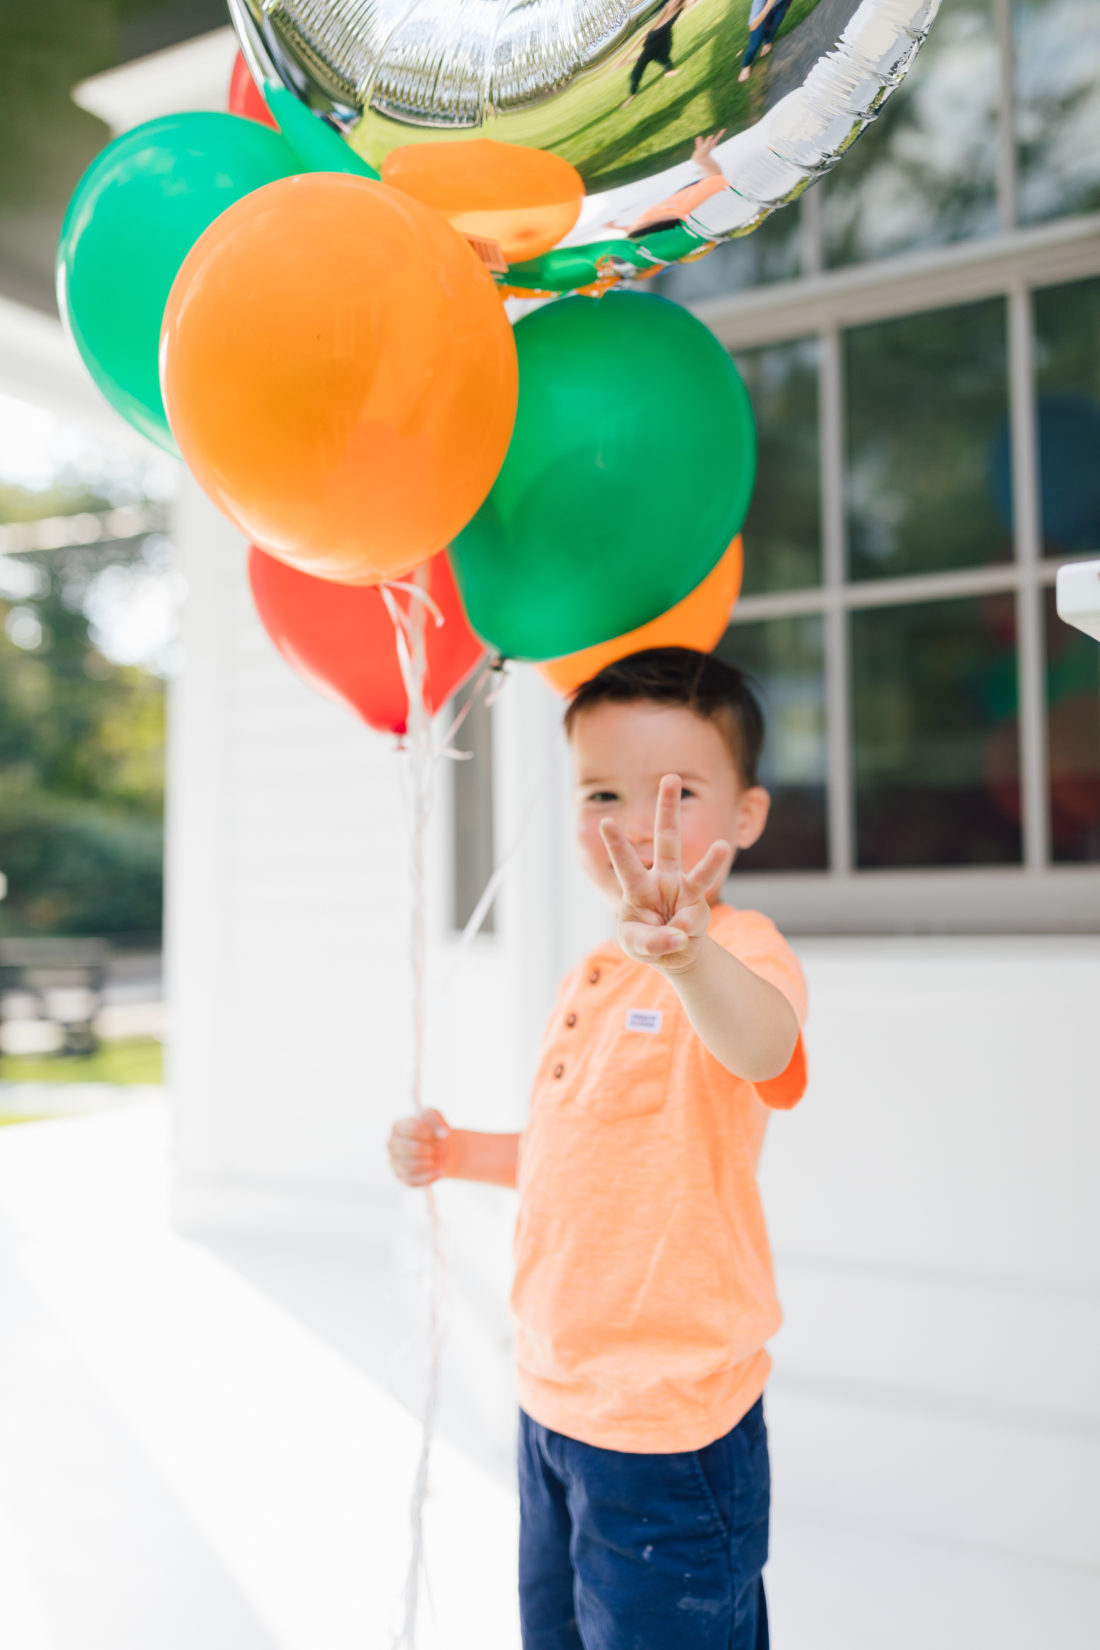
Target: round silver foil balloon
(686, 122)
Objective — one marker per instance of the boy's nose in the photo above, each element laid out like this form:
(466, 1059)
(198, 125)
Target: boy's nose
(640, 838)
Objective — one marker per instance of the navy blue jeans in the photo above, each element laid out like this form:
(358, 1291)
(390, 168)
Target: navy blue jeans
(766, 33)
(643, 1552)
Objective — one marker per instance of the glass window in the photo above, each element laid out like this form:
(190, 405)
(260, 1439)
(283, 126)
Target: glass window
(770, 253)
(1073, 739)
(472, 816)
(934, 720)
(925, 172)
(785, 659)
(928, 478)
(1067, 378)
(1057, 84)
(783, 530)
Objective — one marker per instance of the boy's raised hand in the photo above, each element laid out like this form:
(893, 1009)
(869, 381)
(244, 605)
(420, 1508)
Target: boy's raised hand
(664, 912)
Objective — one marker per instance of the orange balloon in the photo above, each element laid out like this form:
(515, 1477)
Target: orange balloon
(698, 621)
(339, 374)
(524, 199)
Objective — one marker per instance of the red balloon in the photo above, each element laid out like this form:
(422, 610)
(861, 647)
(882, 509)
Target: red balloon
(340, 637)
(245, 97)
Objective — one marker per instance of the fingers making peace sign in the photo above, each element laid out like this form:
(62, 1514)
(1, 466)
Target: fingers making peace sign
(664, 911)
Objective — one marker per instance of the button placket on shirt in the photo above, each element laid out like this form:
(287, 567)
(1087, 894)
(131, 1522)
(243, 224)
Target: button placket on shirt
(557, 1070)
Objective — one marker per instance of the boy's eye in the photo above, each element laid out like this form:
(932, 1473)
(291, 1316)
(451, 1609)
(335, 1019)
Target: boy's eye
(602, 796)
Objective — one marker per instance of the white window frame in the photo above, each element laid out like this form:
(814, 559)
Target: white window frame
(1035, 896)
(1012, 264)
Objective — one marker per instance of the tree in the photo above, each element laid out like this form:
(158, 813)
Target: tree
(81, 760)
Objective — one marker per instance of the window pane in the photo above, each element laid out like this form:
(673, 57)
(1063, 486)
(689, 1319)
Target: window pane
(1073, 739)
(936, 757)
(927, 433)
(1067, 351)
(472, 816)
(1057, 70)
(783, 530)
(924, 172)
(786, 661)
(770, 253)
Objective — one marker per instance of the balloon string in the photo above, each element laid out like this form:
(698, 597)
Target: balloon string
(423, 755)
(447, 748)
(481, 909)
(409, 633)
(421, 595)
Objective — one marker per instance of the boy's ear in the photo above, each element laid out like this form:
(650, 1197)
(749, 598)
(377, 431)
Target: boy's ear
(752, 816)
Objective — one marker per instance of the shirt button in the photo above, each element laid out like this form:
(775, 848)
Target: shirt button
(593, 978)
(570, 1020)
(559, 1069)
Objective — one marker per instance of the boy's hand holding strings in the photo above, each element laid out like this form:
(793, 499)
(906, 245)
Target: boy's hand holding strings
(747, 1024)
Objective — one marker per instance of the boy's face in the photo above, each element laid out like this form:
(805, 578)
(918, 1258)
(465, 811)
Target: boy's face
(620, 754)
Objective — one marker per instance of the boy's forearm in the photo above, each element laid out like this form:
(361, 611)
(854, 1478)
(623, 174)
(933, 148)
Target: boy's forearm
(747, 1024)
(490, 1158)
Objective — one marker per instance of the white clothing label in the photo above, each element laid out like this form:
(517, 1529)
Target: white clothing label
(644, 1019)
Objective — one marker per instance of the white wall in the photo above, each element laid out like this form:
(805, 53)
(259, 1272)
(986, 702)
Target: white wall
(937, 1234)
(932, 1202)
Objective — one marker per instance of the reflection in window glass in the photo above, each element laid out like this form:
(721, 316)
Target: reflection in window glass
(770, 253)
(472, 816)
(783, 529)
(1067, 360)
(1073, 739)
(927, 439)
(785, 659)
(924, 173)
(1057, 71)
(934, 717)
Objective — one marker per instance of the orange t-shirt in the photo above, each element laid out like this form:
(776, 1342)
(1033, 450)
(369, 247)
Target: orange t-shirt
(643, 1290)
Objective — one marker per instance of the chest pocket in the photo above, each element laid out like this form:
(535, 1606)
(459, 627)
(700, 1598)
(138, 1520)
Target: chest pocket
(628, 1075)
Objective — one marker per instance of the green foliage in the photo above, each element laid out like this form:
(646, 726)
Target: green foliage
(81, 767)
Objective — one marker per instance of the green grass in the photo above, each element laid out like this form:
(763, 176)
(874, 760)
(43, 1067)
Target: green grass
(129, 1060)
(610, 145)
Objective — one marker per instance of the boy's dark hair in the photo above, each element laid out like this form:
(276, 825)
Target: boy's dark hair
(706, 684)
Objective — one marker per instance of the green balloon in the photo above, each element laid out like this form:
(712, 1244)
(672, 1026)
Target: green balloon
(136, 213)
(629, 473)
(317, 146)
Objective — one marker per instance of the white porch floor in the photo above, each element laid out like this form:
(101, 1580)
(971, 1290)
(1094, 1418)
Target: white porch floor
(198, 1448)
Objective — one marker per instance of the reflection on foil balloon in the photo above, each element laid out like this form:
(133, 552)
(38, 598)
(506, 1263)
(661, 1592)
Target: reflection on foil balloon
(686, 121)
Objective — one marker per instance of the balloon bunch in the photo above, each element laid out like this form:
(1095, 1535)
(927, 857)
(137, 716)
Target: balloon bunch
(333, 361)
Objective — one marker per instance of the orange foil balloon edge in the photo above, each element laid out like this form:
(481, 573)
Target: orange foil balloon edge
(698, 621)
(521, 200)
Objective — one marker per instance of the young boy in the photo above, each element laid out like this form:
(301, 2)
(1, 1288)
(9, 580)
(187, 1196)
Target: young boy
(643, 1293)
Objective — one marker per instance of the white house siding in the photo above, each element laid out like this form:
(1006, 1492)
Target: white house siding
(286, 879)
(932, 1202)
(937, 1233)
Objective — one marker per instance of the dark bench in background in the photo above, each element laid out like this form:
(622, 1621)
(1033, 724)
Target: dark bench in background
(64, 980)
